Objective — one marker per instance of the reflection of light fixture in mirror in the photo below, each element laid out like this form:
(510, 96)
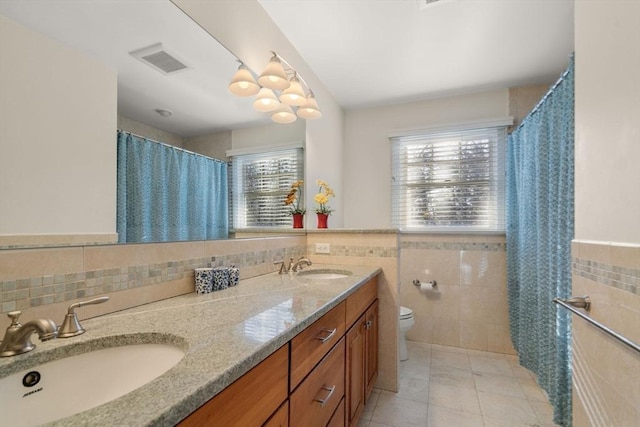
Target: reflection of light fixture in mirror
(243, 83)
(163, 112)
(293, 95)
(310, 109)
(274, 76)
(284, 114)
(266, 100)
(281, 87)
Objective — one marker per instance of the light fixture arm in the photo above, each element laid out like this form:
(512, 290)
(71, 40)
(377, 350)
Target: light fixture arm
(295, 72)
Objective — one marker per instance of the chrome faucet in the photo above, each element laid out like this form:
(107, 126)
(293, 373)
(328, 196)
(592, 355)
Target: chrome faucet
(293, 266)
(298, 264)
(17, 338)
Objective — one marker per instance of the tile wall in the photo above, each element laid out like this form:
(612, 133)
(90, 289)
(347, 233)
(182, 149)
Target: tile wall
(469, 307)
(43, 282)
(606, 373)
(375, 248)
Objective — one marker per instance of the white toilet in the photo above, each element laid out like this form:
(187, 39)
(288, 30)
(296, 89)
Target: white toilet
(406, 322)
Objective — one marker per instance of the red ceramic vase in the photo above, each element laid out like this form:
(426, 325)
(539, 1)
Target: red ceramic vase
(298, 221)
(322, 220)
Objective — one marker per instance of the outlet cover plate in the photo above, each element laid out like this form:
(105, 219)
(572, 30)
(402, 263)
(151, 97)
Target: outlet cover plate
(323, 248)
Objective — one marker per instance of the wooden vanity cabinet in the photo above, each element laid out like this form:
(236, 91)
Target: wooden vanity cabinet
(371, 346)
(251, 399)
(361, 356)
(321, 378)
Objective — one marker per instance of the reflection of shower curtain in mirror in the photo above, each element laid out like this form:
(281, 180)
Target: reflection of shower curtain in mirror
(539, 232)
(167, 194)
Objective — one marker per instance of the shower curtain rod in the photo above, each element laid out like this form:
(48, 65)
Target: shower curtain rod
(546, 95)
(171, 146)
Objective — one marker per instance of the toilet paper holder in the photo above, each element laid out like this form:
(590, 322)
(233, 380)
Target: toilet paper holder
(433, 283)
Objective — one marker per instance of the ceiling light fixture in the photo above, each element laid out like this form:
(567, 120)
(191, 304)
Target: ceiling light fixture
(278, 88)
(310, 109)
(283, 114)
(163, 112)
(274, 77)
(266, 100)
(243, 83)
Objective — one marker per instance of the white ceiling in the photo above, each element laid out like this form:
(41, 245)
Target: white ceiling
(367, 52)
(372, 52)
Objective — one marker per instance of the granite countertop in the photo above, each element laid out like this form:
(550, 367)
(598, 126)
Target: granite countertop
(224, 335)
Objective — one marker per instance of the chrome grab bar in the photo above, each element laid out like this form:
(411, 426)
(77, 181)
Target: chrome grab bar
(585, 302)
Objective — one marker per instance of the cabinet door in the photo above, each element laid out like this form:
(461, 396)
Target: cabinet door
(371, 359)
(280, 418)
(355, 371)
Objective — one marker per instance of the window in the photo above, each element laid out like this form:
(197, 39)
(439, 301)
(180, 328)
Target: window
(449, 180)
(259, 185)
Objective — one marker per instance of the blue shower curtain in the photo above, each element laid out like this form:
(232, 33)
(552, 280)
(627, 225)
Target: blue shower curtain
(167, 194)
(540, 227)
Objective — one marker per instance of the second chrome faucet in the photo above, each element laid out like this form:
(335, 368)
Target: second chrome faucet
(293, 266)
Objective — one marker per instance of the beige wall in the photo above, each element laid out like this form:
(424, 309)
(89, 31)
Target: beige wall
(59, 177)
(141, 129)
(468, 308)
(606, 252)
(523, 99)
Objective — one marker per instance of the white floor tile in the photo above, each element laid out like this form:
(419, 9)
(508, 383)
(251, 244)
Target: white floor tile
(512, 409)
(490, 365)
(445, 417)
(452, 397)
(397, 412)
(499, 384)
(454, 387)
(416, 389)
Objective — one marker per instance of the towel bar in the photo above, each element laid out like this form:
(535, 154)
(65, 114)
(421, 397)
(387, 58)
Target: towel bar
(585, 302)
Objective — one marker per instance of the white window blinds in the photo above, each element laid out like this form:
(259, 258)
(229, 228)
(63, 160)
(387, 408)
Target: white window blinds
(449, 180)
(259, 185)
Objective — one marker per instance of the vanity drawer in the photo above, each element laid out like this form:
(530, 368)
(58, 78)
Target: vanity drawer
(310, 346)
(358, 302)
(315, 401)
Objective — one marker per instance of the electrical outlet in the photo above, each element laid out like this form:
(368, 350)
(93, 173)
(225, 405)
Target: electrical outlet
(323, 248)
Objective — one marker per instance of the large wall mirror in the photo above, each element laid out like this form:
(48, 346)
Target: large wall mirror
(189, 108)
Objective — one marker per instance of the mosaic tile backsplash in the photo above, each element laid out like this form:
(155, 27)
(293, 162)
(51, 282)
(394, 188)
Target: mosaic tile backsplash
(19, 294)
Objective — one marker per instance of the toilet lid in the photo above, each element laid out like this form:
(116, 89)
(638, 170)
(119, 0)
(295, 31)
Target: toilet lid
(405, 312)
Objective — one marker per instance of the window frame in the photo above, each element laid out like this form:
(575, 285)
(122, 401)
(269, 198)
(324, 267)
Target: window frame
(401, 198)
(240, 218)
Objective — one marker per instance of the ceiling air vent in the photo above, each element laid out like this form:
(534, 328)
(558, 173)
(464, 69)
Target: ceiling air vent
(423, 4)
(157, 57)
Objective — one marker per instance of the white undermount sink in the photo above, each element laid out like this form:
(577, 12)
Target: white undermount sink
(74, 384)
(324, 274)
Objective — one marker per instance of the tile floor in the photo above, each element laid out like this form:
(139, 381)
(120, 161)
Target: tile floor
(452, 387)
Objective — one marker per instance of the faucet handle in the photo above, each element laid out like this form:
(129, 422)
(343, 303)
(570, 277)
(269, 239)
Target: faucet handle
(71, 326)
(14, 316)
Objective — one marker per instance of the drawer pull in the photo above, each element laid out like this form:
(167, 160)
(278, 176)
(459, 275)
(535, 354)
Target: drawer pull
(332, 332)
(326, 399)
